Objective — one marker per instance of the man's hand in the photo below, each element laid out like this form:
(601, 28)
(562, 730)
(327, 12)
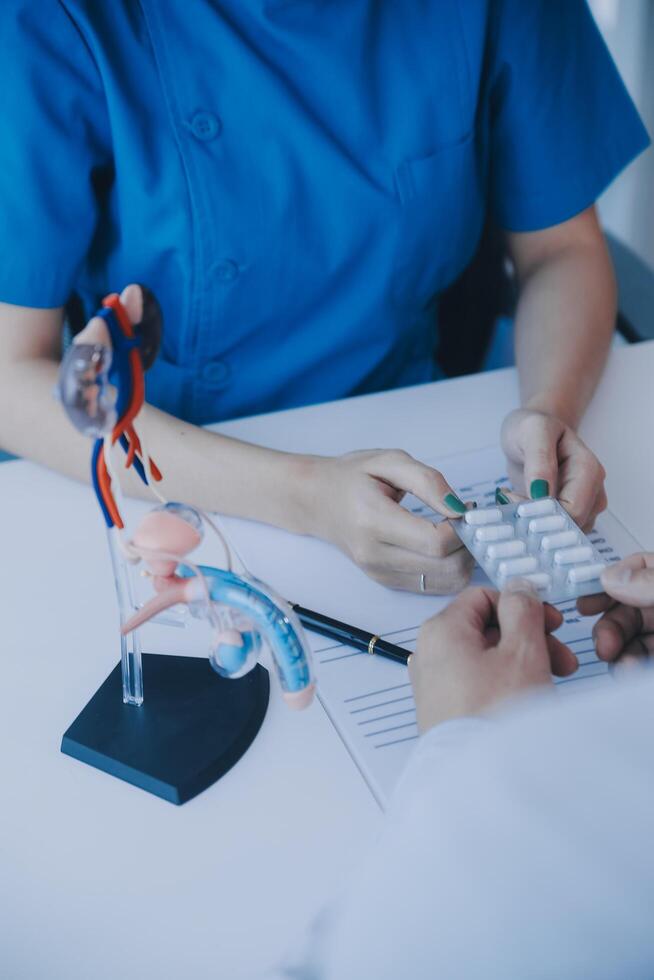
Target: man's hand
(483, 648)
(547, 458)
(625, 633)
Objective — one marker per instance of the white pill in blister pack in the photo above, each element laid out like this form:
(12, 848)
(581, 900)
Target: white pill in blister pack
(540, 579)
(553, 523)
(563, 540)
(536, 508)
(573, 556)
(517, 566)
(505, 549)
(586, 573)
(494, 532)
(536, 540)
(485, 515)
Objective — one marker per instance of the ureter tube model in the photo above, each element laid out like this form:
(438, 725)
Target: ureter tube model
(112, 349)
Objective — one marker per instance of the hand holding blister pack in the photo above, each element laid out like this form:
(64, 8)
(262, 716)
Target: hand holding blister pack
(535, 540)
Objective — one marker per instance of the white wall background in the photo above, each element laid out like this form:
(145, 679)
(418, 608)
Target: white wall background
(627, 208)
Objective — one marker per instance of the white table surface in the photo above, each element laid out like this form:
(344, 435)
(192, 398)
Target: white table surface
(99, 879)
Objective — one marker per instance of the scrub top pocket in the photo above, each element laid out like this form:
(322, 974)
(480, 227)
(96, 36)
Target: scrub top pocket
(441, 215)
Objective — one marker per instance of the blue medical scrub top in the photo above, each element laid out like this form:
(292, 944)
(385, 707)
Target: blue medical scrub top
(297, 180)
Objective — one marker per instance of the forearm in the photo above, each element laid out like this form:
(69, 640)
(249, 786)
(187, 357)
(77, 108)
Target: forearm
(564, 323)
(199, 467)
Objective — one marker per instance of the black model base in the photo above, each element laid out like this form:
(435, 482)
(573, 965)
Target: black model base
(192, 727)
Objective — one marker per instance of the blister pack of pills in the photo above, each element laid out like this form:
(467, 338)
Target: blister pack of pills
(535, 540)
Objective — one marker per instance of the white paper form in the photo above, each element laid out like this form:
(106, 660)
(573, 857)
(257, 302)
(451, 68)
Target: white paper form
(368, 699)
(371, 704)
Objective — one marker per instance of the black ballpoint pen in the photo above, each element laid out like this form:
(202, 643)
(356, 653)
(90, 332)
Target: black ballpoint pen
(351, 636)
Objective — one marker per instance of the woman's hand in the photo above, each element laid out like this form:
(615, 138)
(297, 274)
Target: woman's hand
(483, 648)
(625, 633)
(354, 502)
(546, 457)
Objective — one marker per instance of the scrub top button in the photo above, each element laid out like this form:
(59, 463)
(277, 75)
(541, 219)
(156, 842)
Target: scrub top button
(216, 372)
(226, 271)
(205, 126)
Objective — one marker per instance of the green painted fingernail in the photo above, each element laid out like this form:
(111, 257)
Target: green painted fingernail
(501, 498)
(455, 504)
(539, 488)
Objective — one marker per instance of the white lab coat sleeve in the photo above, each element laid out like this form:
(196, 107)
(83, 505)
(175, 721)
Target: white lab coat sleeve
(309, 961)
(518, 848)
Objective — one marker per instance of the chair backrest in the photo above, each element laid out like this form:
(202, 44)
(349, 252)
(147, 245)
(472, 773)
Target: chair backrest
(487, 289)
(469, 307)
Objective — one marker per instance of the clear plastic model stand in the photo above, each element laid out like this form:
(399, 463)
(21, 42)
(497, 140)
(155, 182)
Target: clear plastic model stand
(131, 660)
